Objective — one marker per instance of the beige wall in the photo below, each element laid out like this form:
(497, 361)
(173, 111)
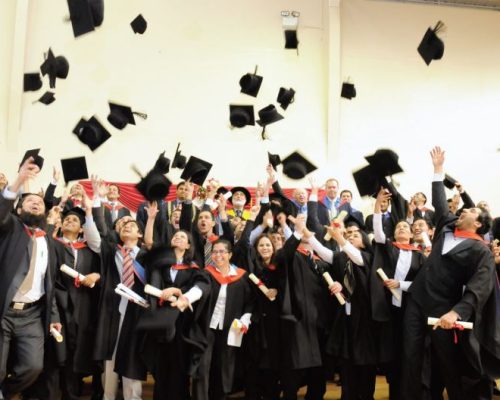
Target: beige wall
(184, 72)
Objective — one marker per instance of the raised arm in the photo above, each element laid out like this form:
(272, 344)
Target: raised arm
(438, 193)
(378, 228)
(151, 210)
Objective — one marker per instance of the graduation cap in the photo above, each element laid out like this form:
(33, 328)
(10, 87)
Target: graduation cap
(91, 132)
(154, 186)
(348, 90)
(291, 41)
(384, 162)
(162, 164)
(74, 169)
(432, 47)
(243, 190)
(37, 159)
(285, 205)
(119, 115)
(449, 182)
(268, 115)
(47, 98)
(285, 97)
(197, 170)
(368, 181)
(241, 115)
(250, 83)
(32, 82)
(352, 220)
(295, 166)
(179, 160)
(85, 15)
(55, 67)
(274, 160)
(78, 211)
(139, 24)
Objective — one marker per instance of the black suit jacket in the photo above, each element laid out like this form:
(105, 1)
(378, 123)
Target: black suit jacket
(15, 252)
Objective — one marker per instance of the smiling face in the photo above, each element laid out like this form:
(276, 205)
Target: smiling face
(402, 232)
(180, 241)
(181, 191)
(265, 248)
(71, 224)
(130, 231)
(331, 188)
(419, 229)
(220, 255)
(300, 196)
(113, 193)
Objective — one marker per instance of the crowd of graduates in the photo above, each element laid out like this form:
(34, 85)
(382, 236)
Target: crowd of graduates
(216, 292)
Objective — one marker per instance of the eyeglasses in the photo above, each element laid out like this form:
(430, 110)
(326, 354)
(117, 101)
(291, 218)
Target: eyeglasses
(219, 251)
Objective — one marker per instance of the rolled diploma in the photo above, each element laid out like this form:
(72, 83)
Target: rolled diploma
(336, 221)
(384, 277)
(153, 291)
(57, 336)
(466, 325)
(136, 300)
(330, 282)
(73, 273)
(227, 195)
(263, 288)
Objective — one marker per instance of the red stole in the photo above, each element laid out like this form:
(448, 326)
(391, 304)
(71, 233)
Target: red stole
(212, 238)
(225, 280)
(271, 267)
(180, 267)
(467, 235)
(75, 245)
(38, 232)
(303, 250)
(405, 246)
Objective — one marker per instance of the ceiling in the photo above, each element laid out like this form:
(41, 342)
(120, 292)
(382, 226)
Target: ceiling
(484, 4)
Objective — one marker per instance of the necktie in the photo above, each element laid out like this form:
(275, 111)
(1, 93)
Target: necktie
(207, 248)
(349, 282)
(128, 268)
(114, 212)
(28, 281)
(238, 213)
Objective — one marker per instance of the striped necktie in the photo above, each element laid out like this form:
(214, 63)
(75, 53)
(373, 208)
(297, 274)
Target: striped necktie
(128, 268)
(207, 248)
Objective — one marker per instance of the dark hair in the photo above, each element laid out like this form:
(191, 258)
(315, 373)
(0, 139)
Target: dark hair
(430, 225)
(260, 237)
(189, 253)
(208, 211)
(180, 184)
(226, 243)
(485, 219)
(495, 228)
(345, 191)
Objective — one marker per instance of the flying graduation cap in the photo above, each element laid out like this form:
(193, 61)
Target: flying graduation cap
(74, 169)
(296, 166)
(196, 170)
(91, 133)
(285, 97)
(85, 15)
(179, 160)
(250, 83)
(274, 160)
(32, 82)
(47, 98)
(432, 47)
(139, 24)
(37, 158)
(55, 67)
(348, 90)
(241, 115)
(120, 115)
(155, 185)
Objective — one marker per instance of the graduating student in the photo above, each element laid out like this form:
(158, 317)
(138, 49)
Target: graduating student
(113, 209)
(118, 343)
(168, 323)
(27, 303)
(229, 308)
(351, 339)
(401, 261)
(307, 316)
(457, 282)
(78, 248)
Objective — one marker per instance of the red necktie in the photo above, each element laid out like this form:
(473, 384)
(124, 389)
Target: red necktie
(128, 268)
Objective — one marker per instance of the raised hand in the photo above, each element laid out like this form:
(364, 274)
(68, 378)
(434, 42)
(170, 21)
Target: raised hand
(383, 194)
(437, 157)
(152, 209)
(56, 174)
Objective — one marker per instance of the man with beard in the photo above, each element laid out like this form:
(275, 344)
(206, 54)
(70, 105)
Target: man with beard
(240, 198)
(27, 304)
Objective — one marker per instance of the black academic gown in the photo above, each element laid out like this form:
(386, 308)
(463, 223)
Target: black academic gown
(128, 361)
(306, 308)
(166, 351)
(78, 306)
(239, 301)
(387, 328)
(351, 337)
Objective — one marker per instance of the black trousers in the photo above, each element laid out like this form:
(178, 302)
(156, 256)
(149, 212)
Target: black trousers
(21, 349)
(314, 378)
(462, 379)
(358, 381)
